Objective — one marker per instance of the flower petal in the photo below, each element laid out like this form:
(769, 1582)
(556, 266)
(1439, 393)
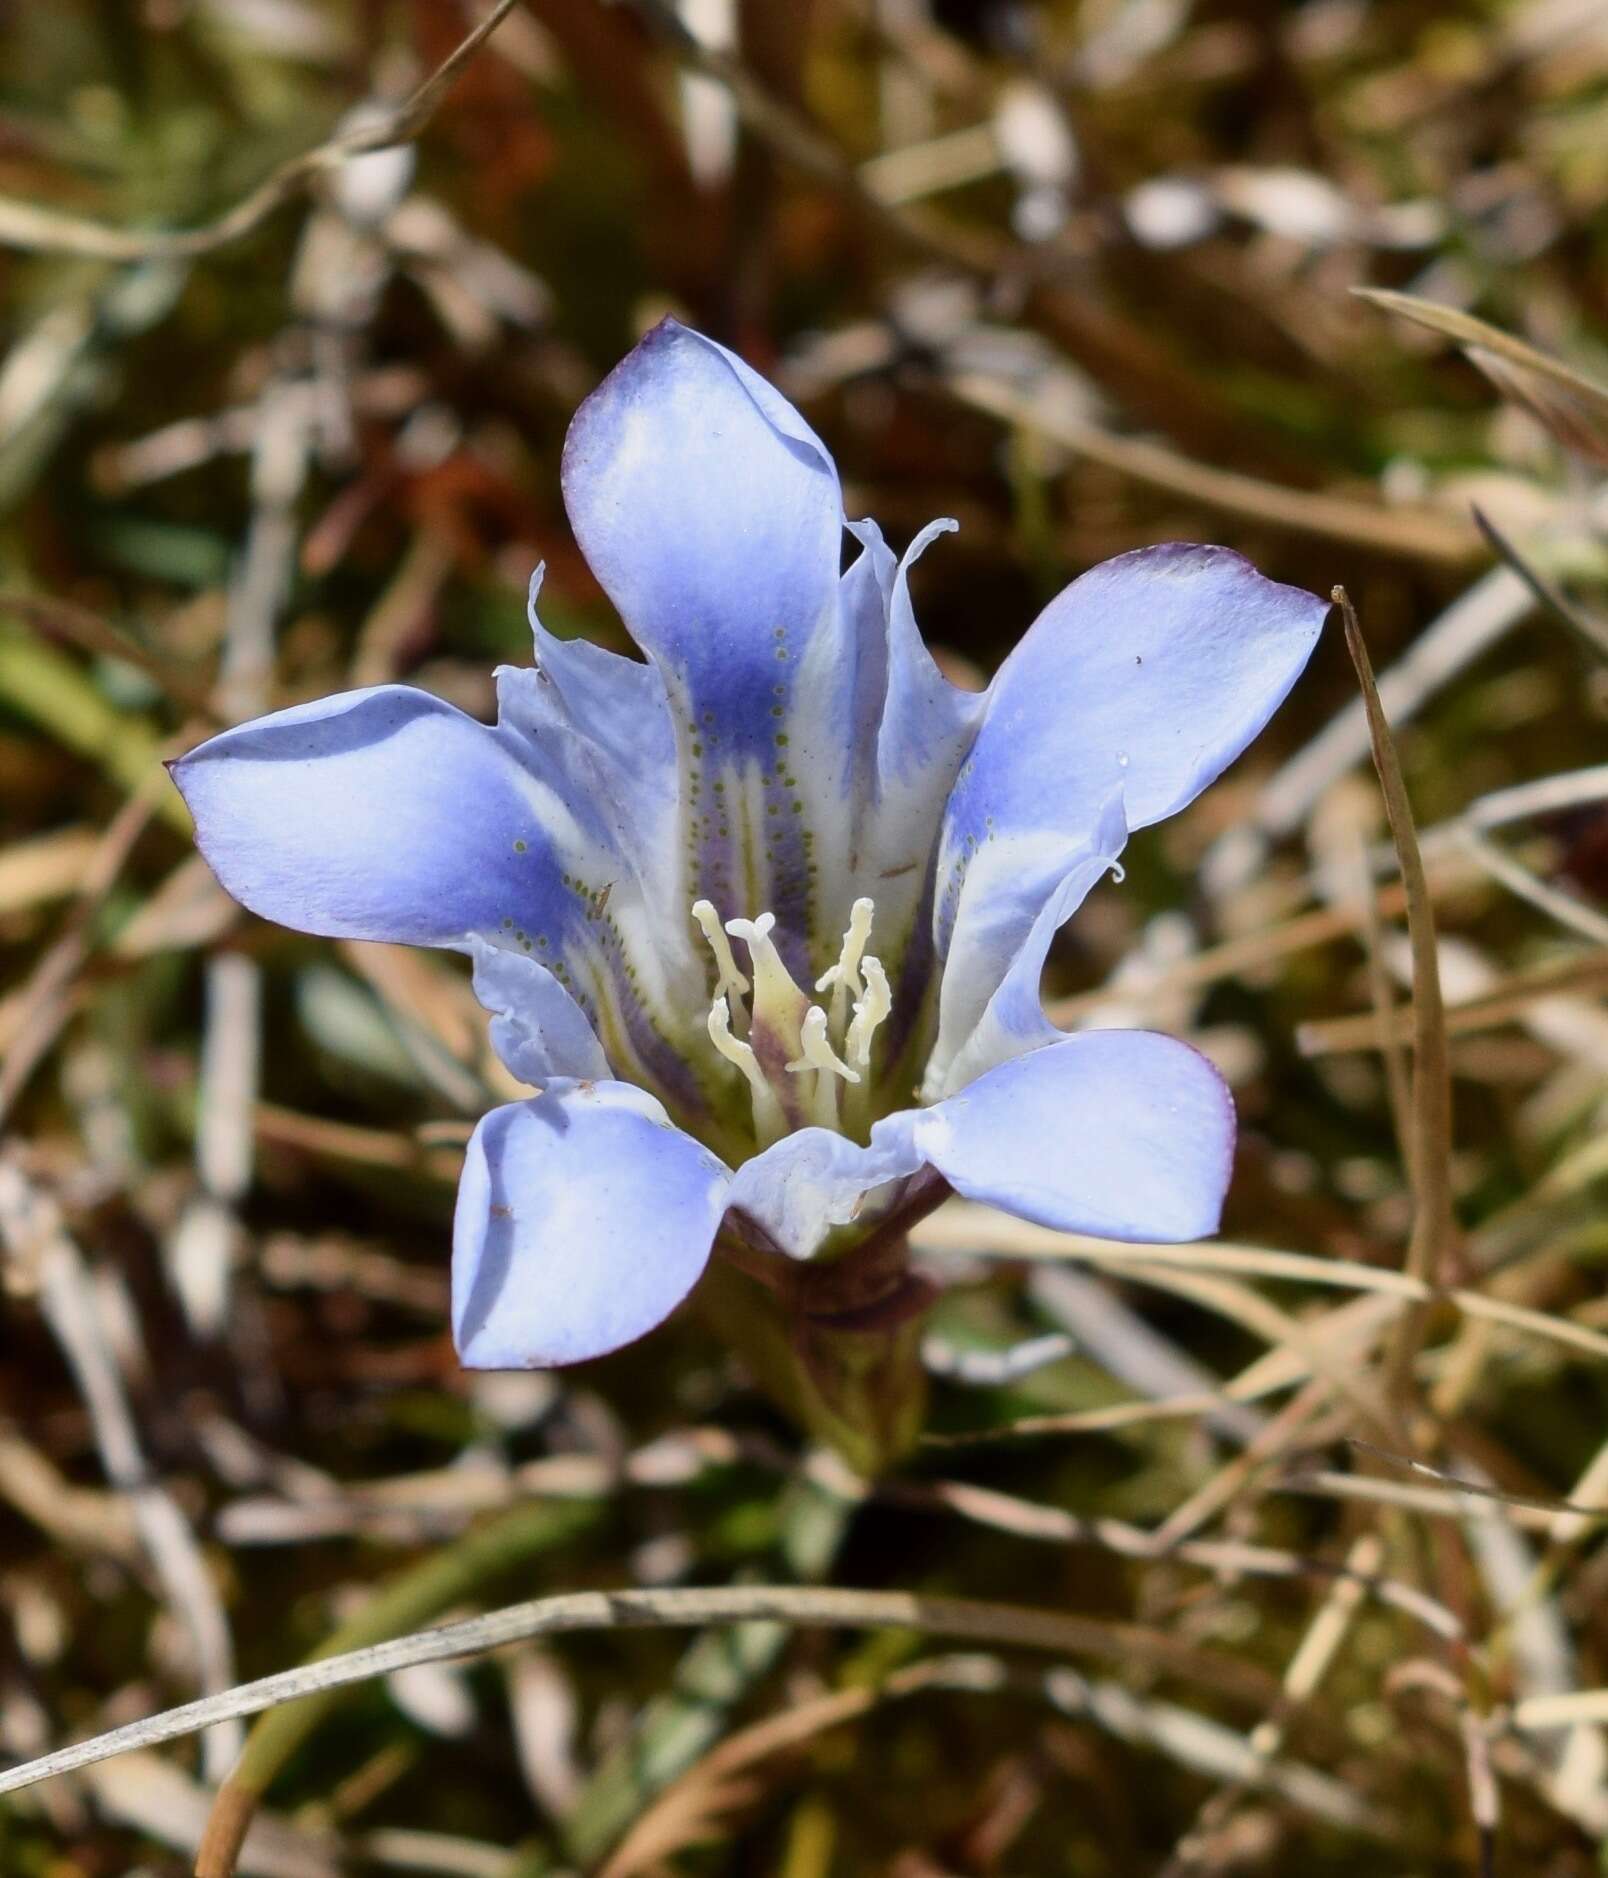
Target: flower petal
(389, 814)
(583, 1219)
(1017, 893)
(1146, 677)
(537, 1028)
(602, 720)
(816, 739)
(1150, 674)
(711, 514)
(1121, 1133)
(807, 1183)
(382, 814)
(912, 729)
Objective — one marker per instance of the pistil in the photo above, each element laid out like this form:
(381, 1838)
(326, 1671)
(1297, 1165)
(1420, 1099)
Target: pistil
(770, 1121)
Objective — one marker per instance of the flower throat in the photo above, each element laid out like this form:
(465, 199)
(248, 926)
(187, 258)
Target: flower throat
(806, 1064)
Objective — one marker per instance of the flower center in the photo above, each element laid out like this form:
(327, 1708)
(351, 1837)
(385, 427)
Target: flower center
(806, 1064)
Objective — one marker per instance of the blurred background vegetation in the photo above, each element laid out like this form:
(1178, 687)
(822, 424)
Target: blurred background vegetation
(280, 412)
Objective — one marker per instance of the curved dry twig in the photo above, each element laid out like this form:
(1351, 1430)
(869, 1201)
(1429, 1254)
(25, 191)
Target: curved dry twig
(44, 231)
(1005, 1625)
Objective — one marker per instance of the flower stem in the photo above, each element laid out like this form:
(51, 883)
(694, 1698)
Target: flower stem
(836, 1346)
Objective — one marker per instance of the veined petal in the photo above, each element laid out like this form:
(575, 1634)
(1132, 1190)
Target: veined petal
(807, 1183)
(605, 720)
(816, 739)
(1120, 1133)
(389, 814)
(1146, 677)
(383, 814)
(711, 514)
(584, 1218)
(602, 723)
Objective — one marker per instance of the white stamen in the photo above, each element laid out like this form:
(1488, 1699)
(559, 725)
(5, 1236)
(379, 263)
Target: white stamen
(870, 1010)
(769, 1122)
(843, 979)
(730, 978)
(816, 1052)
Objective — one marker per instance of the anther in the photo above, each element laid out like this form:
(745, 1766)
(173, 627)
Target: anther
(844, 977)
(815, 1050)
(730, 979)
(816, 1054)
(870, 1011)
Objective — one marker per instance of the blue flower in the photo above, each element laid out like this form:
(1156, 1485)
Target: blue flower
(763, 918)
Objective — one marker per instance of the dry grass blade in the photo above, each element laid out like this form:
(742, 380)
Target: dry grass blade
(436, 1583)
(1306, 1670)
(789, 131)
(45, 1001)
(1256, 951)
(1573, 914)
(1505, 1002)
(94, 634)
(1476, 620)
(1547, 1504)
(1434, 1225)
(1588, 628)
(689, 1810)
(32, 1234)
(1419, 534)
(960, 1230)
(1388, 1038)
(1573, 408)
(1004, 1625)
(44, 231)
(1054, 1525)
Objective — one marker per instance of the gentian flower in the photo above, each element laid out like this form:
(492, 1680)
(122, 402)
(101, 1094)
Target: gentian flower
(762, 919)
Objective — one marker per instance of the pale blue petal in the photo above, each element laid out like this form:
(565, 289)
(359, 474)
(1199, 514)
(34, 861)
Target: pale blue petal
(537, 1028)
(601, 722)
(1143, 680)
(816, 739)
(389, 814)
(1150, 674)
(607, 720)
(927, 723)
(913, 729)
(1015, 895)
(711, 515)
(1119, 1133)
(583, 1219)
(384, 814)
(808, 1183)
